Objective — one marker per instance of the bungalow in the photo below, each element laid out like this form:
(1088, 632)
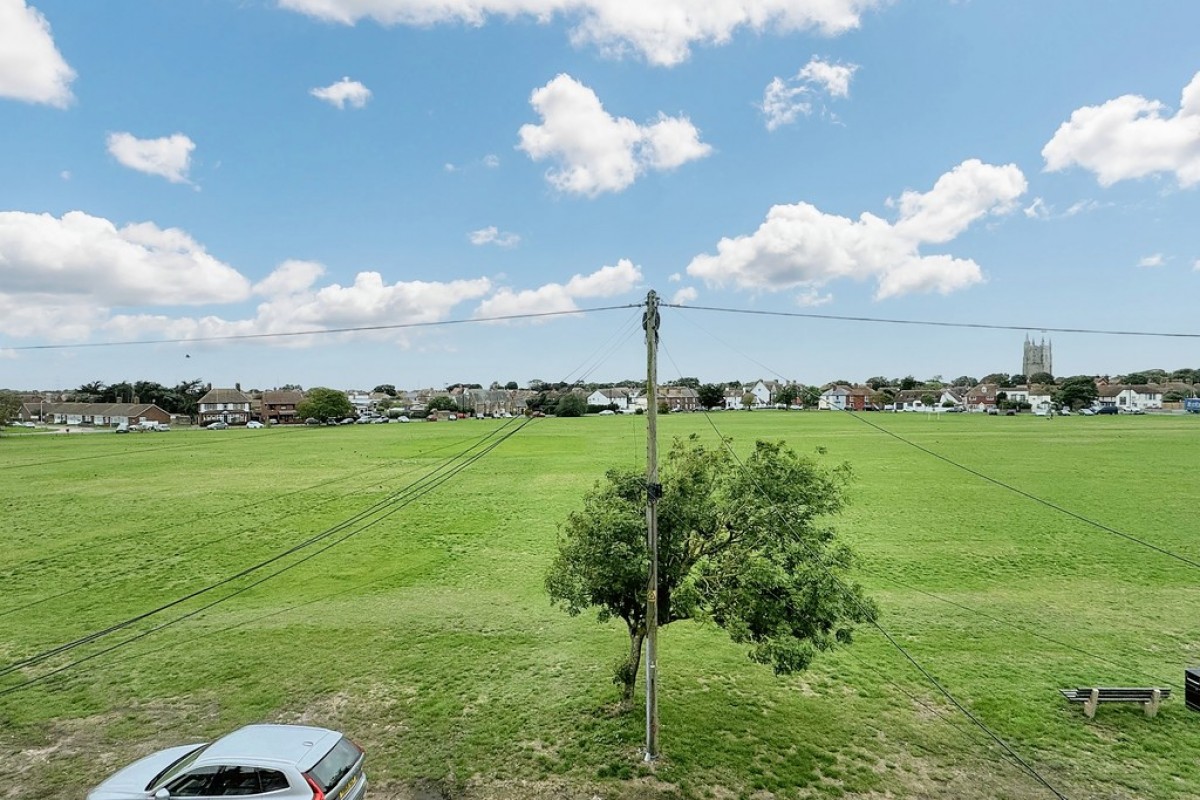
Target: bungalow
(915, 400)
(101, 414)
(231, 406)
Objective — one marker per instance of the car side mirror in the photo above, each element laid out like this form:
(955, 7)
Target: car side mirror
(162, 794)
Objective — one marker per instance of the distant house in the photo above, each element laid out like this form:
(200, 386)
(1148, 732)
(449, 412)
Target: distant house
(764, 392)
(1128, 397)
(101, 414)
(616, 396)
(279, 406)
(914, 400)
(982, 396)
(231, 406)
(845, 398)
(679, 398)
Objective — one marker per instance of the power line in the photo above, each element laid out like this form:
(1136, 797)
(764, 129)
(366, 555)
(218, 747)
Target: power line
(324, 331)
(137, 637)
(818, 561)
(431, 478)
(200, 545)
(930, 323)
(1027, 495)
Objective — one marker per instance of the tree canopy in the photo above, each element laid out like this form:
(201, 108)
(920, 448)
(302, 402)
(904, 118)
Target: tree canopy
(324, 404)
(710, 395)
(746, 546)
(571, 405)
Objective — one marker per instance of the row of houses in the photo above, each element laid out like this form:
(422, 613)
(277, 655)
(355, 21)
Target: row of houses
(276, 406)
(984, 396)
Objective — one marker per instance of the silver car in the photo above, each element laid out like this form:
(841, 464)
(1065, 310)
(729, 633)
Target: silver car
(272, 761)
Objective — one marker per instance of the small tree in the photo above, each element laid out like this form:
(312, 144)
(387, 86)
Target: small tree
(571, 405)
(324, 404)
(1041, 377)
(10, 407)
(442, 403)
(745, 546)
(786, 395)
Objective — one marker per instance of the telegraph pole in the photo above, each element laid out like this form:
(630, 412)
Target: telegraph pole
(653, 493)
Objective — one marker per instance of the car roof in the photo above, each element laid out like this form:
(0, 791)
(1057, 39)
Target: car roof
(300, 745)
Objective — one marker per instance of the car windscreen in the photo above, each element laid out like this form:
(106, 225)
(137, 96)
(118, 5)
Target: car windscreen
(177, 766)
(336, 763)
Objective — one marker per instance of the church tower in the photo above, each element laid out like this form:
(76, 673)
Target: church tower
(1038, 358)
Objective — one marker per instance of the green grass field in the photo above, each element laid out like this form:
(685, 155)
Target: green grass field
(427, 636)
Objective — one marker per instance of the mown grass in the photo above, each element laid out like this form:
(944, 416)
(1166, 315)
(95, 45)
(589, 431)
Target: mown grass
(427, 634)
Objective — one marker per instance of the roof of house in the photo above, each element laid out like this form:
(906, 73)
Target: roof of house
(278, 397)
(225, 396)
(94, 409)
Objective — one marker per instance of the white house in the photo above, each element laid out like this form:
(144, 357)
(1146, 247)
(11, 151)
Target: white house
(616, 396)
(223, 405)
(1129, 397)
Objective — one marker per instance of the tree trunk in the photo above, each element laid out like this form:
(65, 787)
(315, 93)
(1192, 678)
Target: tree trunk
(629, 671)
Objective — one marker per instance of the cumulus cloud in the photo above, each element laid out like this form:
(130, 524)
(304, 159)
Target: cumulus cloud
(1131, 137)
(138, 264)
(31, 68)
(662, 32)
(607, 281)
(785, 100)
(491, 161)
(342, 93)
(687, 294)
(169, 157)
(595, 151)
(799, 246)
(1150, 261)
(493, 235)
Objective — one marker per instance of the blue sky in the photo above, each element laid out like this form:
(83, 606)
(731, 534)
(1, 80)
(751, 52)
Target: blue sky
(206, 169)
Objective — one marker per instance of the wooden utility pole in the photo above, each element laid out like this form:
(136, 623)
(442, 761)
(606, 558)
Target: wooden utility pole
(653, 493)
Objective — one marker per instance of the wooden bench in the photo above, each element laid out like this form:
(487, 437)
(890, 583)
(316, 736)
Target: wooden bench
(1093, 696)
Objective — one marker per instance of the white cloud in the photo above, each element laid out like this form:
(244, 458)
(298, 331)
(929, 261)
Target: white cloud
(799, 246)
(1083, 207)
(493, 235)
(687, 294)
(597, 152)
(607, 281)
(343, 92)
(675, 277)
(1155, 260)
(79, 277)
(169, 157)
(84, 256)
(65, 175)
(1130, 137)
(31, 68)
(786, 100)
(1037, 209)
(1196, 265)
(662, 32)
(491, 161)
(812, 297)
(833, 78)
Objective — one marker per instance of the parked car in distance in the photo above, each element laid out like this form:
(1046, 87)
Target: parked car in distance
(254, 424)
(279, 761)
(216, 426)
(122, 429)
(1087, 412)
(1106, 410)
(992, 411)
(608, 412)
(403, 418)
